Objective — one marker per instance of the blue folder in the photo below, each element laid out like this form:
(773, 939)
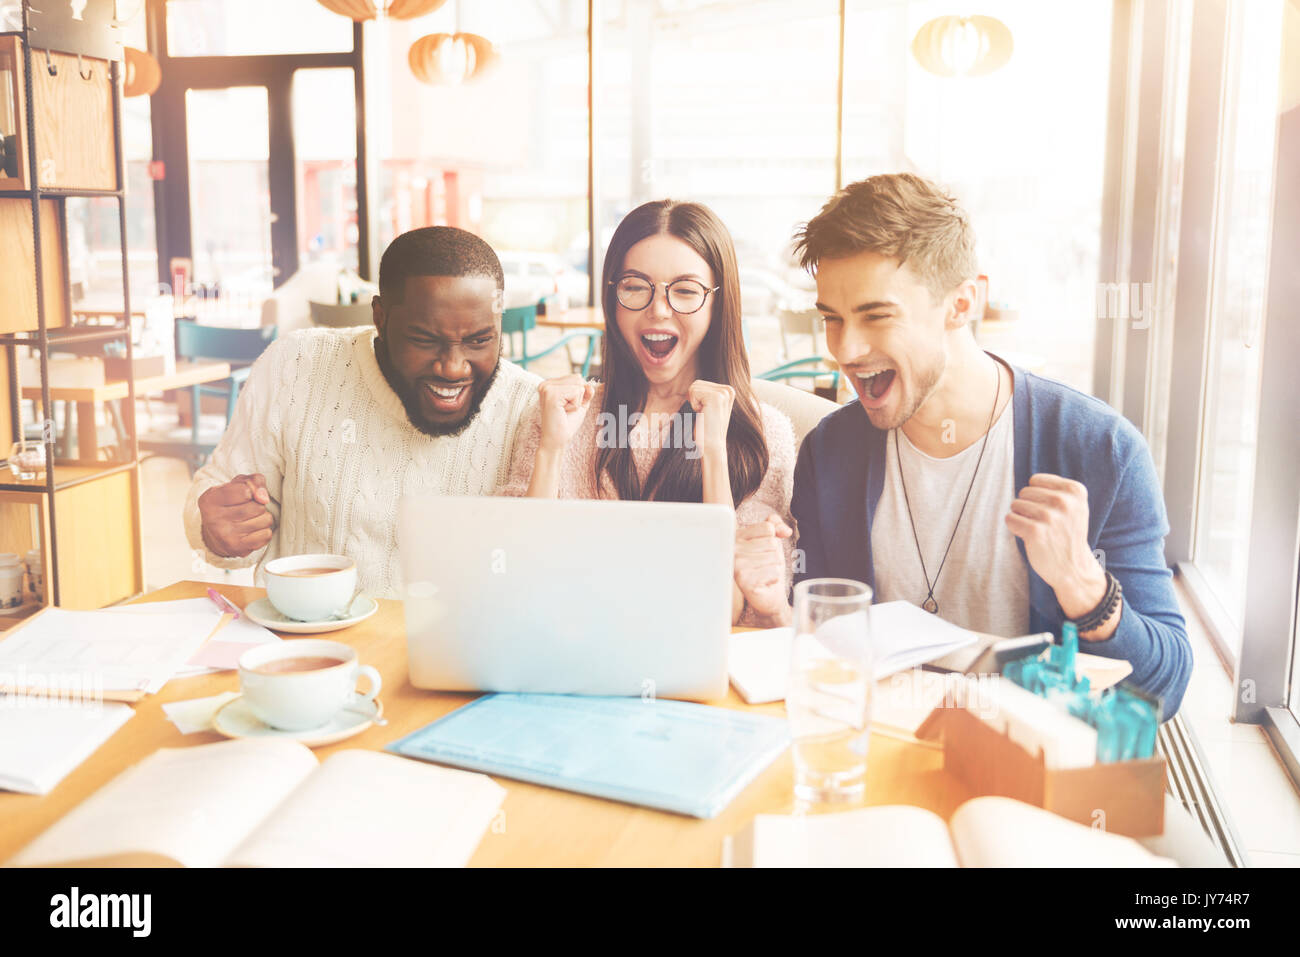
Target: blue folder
(687, 758)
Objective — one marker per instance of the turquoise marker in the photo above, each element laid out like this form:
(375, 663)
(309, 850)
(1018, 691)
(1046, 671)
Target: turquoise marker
(1126, 721)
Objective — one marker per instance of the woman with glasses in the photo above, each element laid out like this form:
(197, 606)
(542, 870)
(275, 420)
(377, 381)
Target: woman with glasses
(675, 418)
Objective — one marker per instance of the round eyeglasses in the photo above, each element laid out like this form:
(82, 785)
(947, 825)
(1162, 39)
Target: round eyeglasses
(685, 296)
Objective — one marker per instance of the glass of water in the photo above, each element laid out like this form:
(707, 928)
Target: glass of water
(829, 696)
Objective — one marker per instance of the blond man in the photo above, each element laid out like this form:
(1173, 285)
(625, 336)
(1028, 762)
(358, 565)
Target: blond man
(997, 499)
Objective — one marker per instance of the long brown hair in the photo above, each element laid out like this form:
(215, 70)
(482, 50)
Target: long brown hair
(721, 358)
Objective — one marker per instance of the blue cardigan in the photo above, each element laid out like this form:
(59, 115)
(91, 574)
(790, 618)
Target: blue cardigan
(841, 473)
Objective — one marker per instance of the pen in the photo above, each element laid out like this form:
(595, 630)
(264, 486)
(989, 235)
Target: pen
(222, 602)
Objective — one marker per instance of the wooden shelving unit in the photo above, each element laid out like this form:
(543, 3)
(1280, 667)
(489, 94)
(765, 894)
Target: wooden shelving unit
(61, 83)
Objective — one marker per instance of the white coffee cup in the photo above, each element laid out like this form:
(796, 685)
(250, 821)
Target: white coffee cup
(311, 597)
(301, 698)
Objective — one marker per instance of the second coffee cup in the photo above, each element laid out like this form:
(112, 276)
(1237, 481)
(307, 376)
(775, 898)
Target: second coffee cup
(300, 684)
(311, 587)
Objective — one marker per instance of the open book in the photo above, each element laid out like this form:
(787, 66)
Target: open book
(268, 803)
(902, 636)
(983, 832)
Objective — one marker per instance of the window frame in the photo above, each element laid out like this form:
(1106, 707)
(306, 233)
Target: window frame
(1263, 670)
(275, 72)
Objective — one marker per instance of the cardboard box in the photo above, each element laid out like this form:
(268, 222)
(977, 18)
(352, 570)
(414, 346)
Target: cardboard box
(1124, 797)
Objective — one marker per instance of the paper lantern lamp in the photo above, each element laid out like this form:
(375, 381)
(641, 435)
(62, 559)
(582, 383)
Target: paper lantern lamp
(142, 74)
(450, 58)
(371, 10)
(962, 46)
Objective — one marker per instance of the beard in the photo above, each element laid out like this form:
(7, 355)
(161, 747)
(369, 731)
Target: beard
(410, 396)
(927, 380)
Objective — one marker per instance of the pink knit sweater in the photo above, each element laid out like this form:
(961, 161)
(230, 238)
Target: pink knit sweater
(578, 480)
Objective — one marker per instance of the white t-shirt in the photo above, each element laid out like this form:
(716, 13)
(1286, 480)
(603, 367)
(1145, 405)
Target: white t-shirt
(984, 583)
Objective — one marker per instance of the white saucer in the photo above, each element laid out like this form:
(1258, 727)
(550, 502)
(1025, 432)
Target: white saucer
(235, 720)
(264, 613)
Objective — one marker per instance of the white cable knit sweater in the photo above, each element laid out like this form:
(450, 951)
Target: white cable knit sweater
(319, 420)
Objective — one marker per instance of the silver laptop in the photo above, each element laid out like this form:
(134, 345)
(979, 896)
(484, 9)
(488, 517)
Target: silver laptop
(567, 597)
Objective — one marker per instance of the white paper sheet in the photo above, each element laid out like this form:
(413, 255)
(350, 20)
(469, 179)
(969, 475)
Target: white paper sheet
(197, 714)
(119, 650)
(241, 631)
(42, 739)
(904, 636)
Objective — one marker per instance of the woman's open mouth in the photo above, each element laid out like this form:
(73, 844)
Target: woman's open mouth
(874, 387)
(658, 346)
(447, 398)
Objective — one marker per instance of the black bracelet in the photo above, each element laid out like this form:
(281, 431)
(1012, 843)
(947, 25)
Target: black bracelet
(1105, 608)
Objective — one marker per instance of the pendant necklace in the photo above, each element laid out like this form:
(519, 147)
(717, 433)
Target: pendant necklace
(930, 604)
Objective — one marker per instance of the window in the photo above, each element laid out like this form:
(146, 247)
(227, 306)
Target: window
(325, 152)
(94, 231)
(731, 107)
(1238, 291)
(1023, 148)
(230, 206)
(518, 180)
(1232, 443)
(141, 237)
(94, 252)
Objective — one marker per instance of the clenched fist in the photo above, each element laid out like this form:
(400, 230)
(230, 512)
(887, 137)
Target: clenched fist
(563, 403)
(236, 520)
(712, 403)
(1050, 515)
(760, 565)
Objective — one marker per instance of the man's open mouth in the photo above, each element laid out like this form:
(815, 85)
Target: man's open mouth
(448, 398)
(876, 383)
(658, 345)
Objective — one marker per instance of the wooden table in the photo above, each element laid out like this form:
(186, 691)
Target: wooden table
(541, 826)
(85, 398)
(575, 317)
(83, 313)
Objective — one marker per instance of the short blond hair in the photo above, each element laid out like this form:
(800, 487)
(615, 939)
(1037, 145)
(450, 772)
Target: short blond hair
(899, 215)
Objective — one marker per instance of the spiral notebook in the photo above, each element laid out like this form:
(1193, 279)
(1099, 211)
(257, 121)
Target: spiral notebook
(677, 756)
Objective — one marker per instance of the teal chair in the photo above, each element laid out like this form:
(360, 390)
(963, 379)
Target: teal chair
(795, 369)
(518, 320)
(195, 342)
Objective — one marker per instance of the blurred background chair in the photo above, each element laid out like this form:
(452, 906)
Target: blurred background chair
(341, 317)
(519, 320)
(289, 307)
(813, 368)
(804, 409)
(194, 342)
(803, 349)
(800, 324)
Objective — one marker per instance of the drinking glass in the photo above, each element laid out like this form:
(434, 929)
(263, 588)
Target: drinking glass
(27, 461)
(829, 695)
